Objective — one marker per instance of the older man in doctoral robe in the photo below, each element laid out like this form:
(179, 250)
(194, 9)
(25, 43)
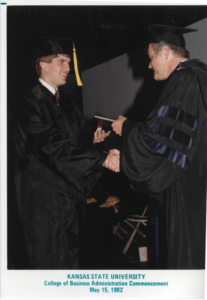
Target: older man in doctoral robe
(166, 155)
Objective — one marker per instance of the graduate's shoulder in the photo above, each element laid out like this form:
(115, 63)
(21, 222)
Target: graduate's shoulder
(30, 101)
(33, 94)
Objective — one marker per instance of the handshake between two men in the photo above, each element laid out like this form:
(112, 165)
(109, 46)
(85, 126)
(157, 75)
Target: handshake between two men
(112, 161)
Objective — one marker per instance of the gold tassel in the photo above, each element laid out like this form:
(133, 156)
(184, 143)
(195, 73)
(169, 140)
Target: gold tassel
(79, 83)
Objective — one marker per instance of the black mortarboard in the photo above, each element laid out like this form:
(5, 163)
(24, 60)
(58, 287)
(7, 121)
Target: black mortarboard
(50, 47)
(170, 34)
(54, 47)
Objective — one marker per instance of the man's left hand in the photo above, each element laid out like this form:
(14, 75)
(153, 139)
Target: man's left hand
(100, 135)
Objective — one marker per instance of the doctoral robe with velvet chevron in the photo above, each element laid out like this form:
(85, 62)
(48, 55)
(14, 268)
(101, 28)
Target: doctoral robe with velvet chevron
(166, 156)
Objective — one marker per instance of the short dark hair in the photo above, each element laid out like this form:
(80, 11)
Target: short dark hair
(177, 51)
(48, 59)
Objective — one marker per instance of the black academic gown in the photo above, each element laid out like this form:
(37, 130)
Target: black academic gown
(56, 165)
(166, 157)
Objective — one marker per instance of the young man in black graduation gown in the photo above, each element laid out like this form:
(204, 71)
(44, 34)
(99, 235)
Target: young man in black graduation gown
(166, 155)
(57, 164)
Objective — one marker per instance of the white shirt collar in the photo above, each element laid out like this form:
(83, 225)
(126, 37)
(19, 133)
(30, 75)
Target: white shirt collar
(49, 87)
(184, 60)
(181, 62)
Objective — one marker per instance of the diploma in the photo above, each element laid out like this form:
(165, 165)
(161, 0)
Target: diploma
(105, 119)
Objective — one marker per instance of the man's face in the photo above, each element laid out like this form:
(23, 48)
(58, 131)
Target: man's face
(57, 71)
(157, 63)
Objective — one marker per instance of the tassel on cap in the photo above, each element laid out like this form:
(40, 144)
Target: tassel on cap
(79, 83)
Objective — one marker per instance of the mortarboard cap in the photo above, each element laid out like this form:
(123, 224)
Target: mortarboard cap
(51, 47)
(170, 34)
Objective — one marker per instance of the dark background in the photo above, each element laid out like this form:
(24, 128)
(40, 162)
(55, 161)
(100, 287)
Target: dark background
(100, 33)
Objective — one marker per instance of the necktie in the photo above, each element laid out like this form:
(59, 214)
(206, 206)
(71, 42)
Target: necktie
(57, 97)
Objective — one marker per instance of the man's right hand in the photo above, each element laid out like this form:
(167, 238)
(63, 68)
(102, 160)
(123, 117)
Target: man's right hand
(117, 125)
(112, 161)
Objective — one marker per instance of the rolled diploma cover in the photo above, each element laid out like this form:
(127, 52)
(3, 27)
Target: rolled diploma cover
(105, 119)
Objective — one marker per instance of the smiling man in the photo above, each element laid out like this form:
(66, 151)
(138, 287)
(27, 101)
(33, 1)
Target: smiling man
(166, 155)
(56, 72)
(57, 165)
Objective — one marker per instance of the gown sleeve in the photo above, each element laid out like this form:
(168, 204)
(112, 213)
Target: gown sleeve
(54, 147)
(156, 153)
